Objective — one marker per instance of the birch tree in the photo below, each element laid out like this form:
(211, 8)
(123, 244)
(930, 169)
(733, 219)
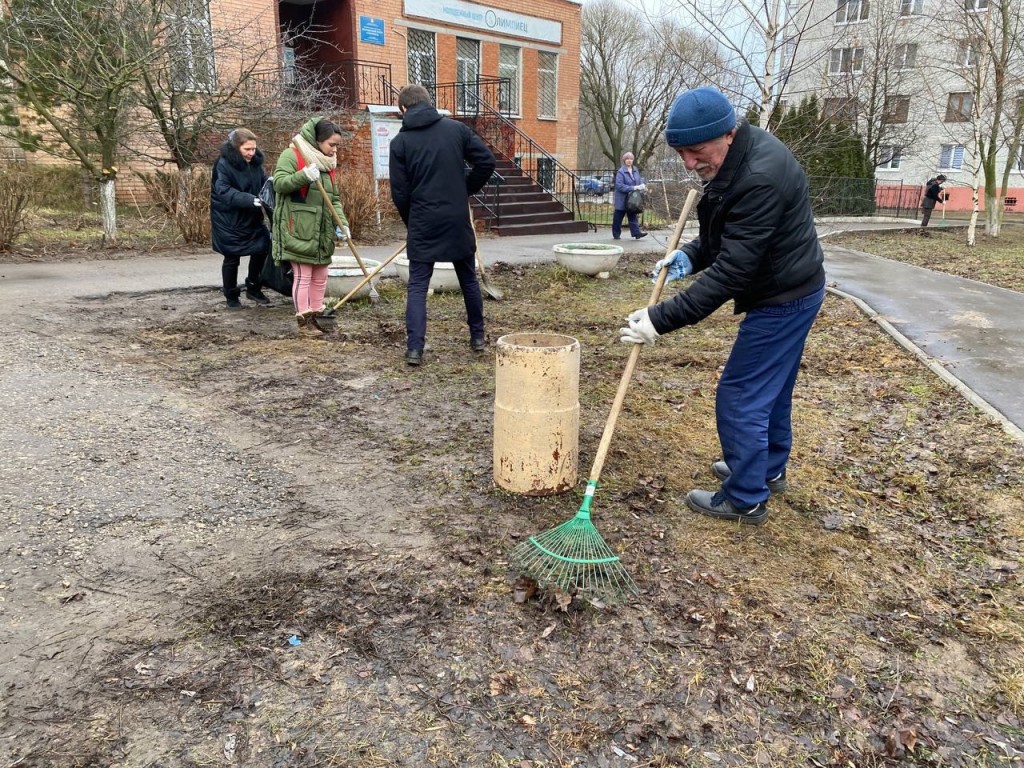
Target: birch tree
(758, 43)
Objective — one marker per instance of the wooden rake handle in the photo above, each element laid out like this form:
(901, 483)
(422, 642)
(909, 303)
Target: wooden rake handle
(609, 428)
(369, 277)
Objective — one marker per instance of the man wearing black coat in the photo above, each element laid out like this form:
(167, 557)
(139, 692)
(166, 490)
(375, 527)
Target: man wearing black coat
(236, 215)
(431, 187)
(932, 193)
(757, 246)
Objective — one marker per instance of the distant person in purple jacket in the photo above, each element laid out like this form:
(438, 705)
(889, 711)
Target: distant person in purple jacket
(627, 178)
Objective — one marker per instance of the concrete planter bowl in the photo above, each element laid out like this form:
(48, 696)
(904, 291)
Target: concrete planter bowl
(443, 279)
(344, 274)
(594, 259)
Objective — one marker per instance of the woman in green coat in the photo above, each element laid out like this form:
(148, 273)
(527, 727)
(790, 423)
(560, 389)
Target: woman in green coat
(304, 231)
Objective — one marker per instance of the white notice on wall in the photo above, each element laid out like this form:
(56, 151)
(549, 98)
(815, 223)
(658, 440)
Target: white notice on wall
(384, 130)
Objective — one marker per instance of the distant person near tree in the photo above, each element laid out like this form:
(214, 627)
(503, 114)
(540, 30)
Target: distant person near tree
(932, 195)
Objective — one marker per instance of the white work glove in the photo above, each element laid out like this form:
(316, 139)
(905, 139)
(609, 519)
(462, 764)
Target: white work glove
(640, 329)
(257, 202)
(341, 233)
(679, 266)
(346, 233)
(641, 187)
(312, 173)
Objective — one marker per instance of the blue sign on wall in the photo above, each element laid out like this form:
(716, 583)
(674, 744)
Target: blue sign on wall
(371, 30)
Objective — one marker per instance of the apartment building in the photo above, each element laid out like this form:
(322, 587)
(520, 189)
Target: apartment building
(918, 78)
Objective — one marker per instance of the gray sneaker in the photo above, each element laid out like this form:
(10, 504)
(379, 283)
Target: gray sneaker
(716, 505)
(775, 484)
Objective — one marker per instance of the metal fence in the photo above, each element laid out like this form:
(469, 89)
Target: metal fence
(830, 196)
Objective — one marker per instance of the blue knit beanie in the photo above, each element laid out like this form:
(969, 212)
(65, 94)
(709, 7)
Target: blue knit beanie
(697, 116)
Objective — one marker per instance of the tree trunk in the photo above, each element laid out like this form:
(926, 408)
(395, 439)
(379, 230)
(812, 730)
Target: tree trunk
(108, 211)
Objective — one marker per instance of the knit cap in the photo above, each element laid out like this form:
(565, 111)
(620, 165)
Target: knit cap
(697, 116)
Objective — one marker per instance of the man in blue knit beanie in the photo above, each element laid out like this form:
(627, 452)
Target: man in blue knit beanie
(757, 246)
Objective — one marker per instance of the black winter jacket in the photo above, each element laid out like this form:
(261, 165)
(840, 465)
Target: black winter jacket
(431, 187)
(757, 242)
(238, 228)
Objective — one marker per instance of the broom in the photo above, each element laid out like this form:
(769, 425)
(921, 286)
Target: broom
(573, 556)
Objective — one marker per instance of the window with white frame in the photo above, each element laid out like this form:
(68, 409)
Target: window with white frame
(547, 84)
(951, 157)
(422, 57)
(911, 7)
(959, 107)
(905, 56)
(890, 157)
(967, 53)
(896, 110)
(509, 57)
(848, 11)
(976, 6)
(846, 61)
(1020, 158)
(191, 46)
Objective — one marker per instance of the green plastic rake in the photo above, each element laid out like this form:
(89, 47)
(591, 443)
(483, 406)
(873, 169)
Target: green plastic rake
(574, 557)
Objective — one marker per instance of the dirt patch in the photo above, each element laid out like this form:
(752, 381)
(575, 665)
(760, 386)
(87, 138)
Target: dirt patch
(368, 619)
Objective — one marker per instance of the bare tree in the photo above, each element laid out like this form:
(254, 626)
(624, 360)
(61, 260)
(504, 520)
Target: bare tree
(75, 64)
(870, 76)
(630, 71)
(758, 42)
(985, 83)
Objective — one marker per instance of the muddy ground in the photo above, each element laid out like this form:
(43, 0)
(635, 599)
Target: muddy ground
(263, 550)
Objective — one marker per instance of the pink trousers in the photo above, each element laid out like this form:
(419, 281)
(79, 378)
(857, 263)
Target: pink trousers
(309, 284)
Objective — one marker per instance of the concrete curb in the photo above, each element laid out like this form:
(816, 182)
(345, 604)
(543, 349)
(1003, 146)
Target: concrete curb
(934, 365)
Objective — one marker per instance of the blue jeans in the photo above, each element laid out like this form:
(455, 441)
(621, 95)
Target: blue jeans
(420, 273)
(754, 402)
(634, 224)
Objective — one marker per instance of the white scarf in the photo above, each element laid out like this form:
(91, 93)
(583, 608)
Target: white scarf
(313, 156)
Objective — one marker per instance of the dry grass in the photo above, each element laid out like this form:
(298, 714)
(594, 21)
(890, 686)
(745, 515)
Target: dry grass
(878, 617)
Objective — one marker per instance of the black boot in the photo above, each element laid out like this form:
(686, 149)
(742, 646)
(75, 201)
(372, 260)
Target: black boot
(253, 284)
(229, 273)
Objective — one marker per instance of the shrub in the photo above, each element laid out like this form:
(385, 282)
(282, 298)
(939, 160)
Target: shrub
(15, 186)
(185, 197)
(64, 187)
(361, 202)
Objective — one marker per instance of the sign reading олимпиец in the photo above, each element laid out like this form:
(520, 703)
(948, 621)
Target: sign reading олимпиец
(482, 17)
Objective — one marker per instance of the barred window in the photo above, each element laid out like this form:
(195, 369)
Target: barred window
(508, 67)
(467, 74)
(191, 46)
(547, 84)
(422, 57)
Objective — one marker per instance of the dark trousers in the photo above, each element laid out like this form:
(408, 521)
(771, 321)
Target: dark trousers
(229, 273)
(926, 214)
(754, 401)
(416, 300)
(634, 224)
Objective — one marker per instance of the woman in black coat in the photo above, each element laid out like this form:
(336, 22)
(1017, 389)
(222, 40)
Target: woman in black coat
(236, 215)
